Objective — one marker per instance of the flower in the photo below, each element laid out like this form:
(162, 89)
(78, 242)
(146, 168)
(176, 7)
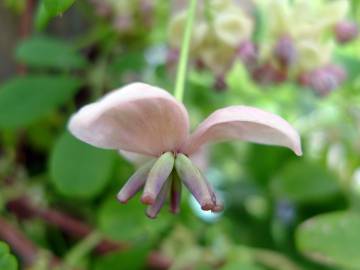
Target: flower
(148, 121)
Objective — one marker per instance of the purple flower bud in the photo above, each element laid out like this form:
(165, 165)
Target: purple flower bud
(248, 54)
(155, 208)
(135, 182)
(323, 80)
(285, 51)
(194, 181)
(157, 177)
(338, 71)
(220, 84)
(268, 74)
(123, 23)
(346, 31)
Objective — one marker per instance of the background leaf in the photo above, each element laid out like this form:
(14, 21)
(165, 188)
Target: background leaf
(57, 7)
(78, 169)
(303, 181)
(332, 239)
(47, 52)
(26, 99)
(7, 260)
(131, 218)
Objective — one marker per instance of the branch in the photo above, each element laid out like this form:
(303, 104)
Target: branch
(25, 209)
(22, 246)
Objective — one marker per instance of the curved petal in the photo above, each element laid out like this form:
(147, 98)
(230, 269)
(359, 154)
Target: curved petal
(135, 158)
(244, 123)
(138, 118)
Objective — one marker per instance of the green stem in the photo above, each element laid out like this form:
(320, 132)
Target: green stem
(184, 54)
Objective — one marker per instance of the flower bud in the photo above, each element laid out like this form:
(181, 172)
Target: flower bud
(268, 74)
(220, 83)
(157, 177)
(323, 80)
(248, 54)
(346, 31)
(285, 51)
(194, 181)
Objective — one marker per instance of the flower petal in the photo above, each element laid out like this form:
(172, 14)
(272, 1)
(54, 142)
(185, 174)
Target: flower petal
(136, 159)
(244, 123)
(138, 118)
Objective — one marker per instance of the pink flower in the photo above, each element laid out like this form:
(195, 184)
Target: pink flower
(148, 121)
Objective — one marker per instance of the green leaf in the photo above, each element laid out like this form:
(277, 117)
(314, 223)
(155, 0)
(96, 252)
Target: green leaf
(47, 52)
(128, 222)
(303, 181)
(57, 7)
(78, 169)
(240, 265)
(47, 9)
(332, 239)
(24, 100)
(7, 260)
(134, 258)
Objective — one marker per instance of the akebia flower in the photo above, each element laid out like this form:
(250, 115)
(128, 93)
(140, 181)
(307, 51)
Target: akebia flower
(148, 121)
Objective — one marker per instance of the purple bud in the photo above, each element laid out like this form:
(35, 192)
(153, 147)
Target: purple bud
(135, 182)
(322, 81)
(220, 84)
(172, 58)
(157, 177)
(194, 181)
(285, 51)
(175, 195)
(123, 23)
(155, 208)
(248, 54)
(346, 31)
(338, 71)
(268, 74)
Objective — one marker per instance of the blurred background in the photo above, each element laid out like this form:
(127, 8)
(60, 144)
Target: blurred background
(296, 58)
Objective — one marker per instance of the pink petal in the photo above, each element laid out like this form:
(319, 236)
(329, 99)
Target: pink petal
(138, 118)
(247, 124)
(134, 158)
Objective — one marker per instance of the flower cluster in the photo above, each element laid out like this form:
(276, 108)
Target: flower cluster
(220, 28)
(295, 40)
(147, 122)
(126, 16)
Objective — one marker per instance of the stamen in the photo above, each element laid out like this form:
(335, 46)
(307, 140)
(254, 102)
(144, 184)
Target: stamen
(194, 181)
(157, 177)
(175, 193)
(155, 208)
(135, 182)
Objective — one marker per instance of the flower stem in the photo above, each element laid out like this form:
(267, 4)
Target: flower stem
(184, 53)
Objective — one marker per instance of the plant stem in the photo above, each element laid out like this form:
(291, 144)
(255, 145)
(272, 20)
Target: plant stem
(184, 53)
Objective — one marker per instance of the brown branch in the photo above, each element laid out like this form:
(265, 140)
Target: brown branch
(25, 28)
(24, 208)
(21, 245)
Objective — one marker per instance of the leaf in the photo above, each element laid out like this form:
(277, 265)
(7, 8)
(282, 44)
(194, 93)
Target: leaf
(24, 100)
(128, 222)
(78, 169)
(57, 7)
(47, 9)
(7, 260)
(240, 265)
(303, 181)
(332, 239)
(134, 258)
(47, 52)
